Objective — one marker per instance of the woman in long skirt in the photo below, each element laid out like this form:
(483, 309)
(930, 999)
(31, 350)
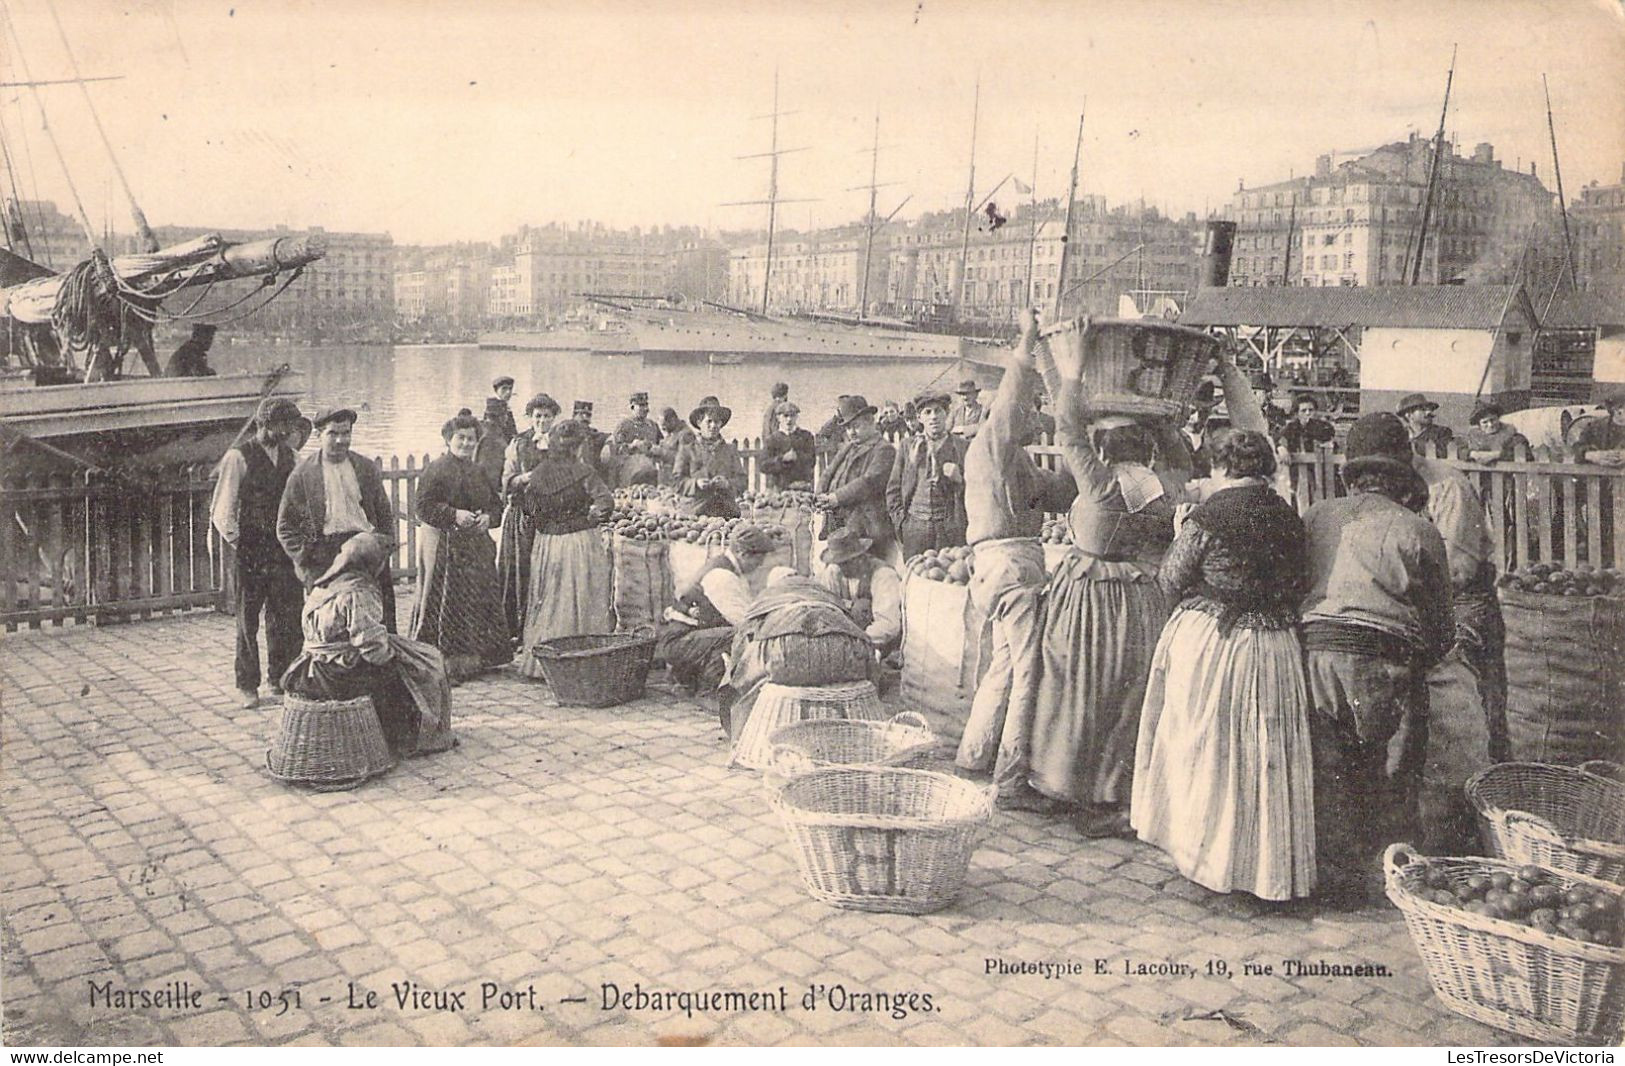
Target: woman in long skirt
(1103, 616)
(518, 531)
(459, 606)
(570, 592)
(1223, 776)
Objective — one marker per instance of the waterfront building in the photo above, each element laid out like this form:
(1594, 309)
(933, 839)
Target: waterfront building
(817, 271)
(1357, 222)
(347, 295)
(47, 236)
(1597, 224)
(1115, 252)
(443, 288)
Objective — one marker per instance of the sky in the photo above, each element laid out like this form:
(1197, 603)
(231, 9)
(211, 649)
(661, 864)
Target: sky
(461, 121)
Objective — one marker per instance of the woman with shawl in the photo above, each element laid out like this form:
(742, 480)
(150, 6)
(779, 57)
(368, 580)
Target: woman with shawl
(513, 556)
(570, 591)
(1223, 778)
(459, 605)
(348, 654)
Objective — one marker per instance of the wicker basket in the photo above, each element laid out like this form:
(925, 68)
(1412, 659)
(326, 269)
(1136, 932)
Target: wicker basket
(328, 745)
(1566, 817)
(778, 706)
(905, 740)
(883, 838)
(1503, 973)
(597, 670)
(1131, 366)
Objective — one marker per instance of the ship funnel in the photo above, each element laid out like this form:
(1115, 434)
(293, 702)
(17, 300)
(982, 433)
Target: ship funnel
(1218, 241)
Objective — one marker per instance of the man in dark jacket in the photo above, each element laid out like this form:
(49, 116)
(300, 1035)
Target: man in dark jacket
(1427, 436)
(253, 475)
(1307, 430)
(789, 452)
(1376, 619)
(853, 492)
(330, 497)
(925, 494)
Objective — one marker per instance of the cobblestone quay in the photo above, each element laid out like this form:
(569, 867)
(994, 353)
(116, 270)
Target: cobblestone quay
(572, 876)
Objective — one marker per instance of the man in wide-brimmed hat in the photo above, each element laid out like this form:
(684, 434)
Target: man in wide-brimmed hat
(925, 494)
(1376, 618)
(247, 494)
(330, 497)
(853, 490)
(1427, 436)
(709, 471)
(870, 591)
(966, 417)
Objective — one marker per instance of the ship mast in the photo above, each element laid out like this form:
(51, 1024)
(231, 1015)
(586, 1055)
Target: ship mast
(1066, 233)
(1433, 173)
(970, 196)
(773, 199)
(1032, 227)
(1562, 204)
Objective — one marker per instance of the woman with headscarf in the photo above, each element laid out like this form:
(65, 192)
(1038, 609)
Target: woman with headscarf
(1224, 770)
(569, 565)
(348, 654)
(518, 531)
(709, 471)
(459, 605)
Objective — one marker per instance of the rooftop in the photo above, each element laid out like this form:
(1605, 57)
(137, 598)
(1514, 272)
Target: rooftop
(1413, 307)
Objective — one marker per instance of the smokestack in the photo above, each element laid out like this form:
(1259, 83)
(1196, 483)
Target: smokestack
(1484, 152)
(1218, 241)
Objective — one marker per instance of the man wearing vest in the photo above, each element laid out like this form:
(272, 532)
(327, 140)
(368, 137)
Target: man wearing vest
(699, 626)
(926, 492)
(870, 592)
(330, 497)
(252, 477)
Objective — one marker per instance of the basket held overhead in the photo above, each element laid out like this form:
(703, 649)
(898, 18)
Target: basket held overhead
(1131, 366)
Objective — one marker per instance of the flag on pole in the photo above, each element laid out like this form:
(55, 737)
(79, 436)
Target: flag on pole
(1021, 187)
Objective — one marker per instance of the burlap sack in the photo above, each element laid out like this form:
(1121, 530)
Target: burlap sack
(642, 581)
(1565, 659)
(946, 644)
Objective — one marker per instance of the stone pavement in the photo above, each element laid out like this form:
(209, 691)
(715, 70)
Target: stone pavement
(559, 850)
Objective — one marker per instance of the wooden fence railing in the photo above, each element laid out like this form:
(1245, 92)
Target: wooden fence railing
(101, 552)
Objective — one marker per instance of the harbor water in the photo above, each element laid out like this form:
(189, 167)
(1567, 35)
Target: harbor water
(404, 394)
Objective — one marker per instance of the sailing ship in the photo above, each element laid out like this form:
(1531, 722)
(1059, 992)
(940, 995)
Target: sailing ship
(65, 402)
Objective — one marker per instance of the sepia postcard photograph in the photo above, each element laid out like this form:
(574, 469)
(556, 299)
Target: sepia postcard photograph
(902, 523)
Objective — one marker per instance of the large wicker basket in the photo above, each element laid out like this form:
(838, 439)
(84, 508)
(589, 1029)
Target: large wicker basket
(328, 745)
(904, 740)
(883, 838)
(1570, 818)
(777, 706)
(597, 670)
(1503, 973)
(1131, 366)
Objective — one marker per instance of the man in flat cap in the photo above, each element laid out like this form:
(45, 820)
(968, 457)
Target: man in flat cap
(925, 493)
(634, 444)
(592, 445)
(330, 497)
(699, 625)
(967, 415)
(1427, 436)
(1602, 440)
(497, 409)
(497, 430)
(770, 414)
(252, 477)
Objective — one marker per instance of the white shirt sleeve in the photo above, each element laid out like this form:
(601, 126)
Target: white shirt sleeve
(729, 594)
(223, 513)
(886, 602)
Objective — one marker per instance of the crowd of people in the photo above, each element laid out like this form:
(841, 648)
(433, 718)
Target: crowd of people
(1267, 698)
